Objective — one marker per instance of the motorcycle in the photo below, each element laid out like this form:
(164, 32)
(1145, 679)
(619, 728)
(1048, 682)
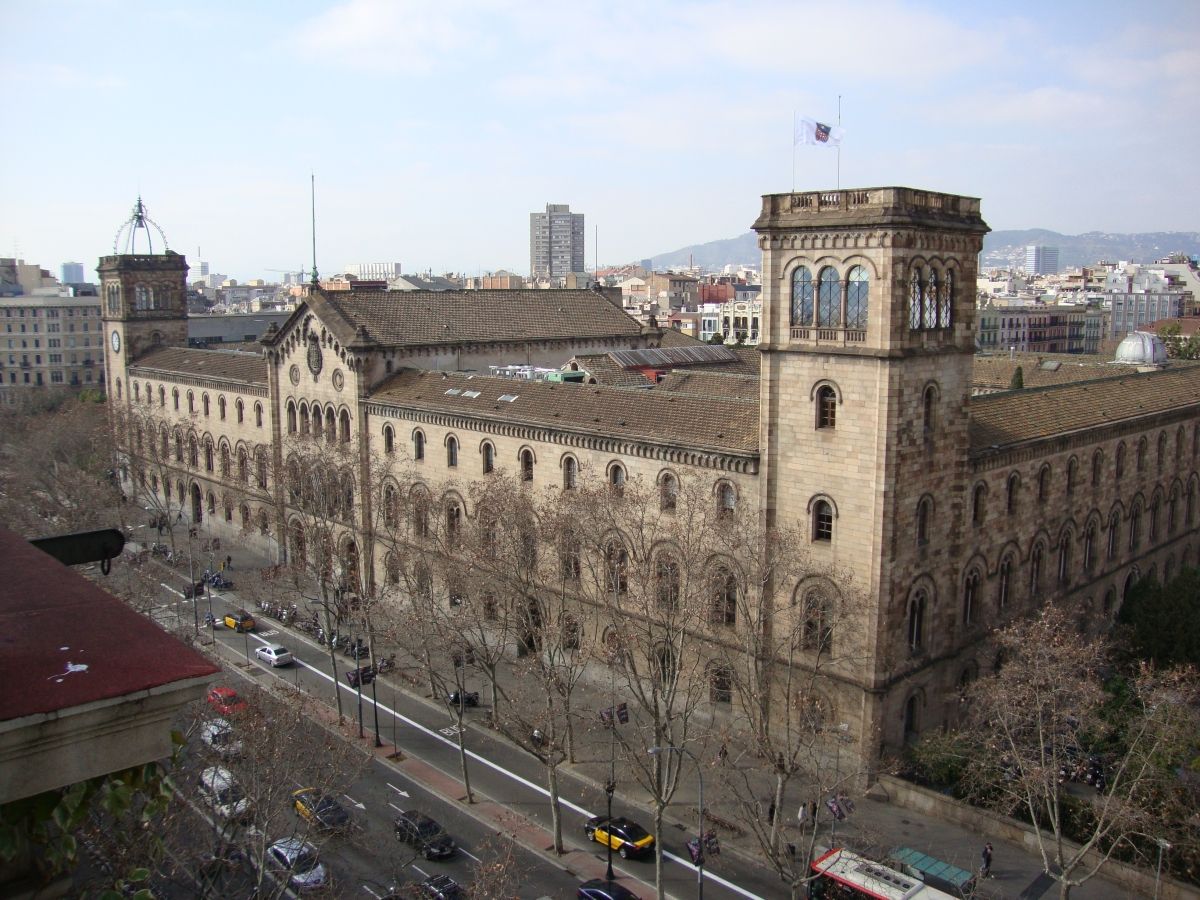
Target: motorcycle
(386, 664)
(463, 699)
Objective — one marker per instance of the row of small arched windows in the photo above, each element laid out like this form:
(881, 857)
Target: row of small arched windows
(306, 421)
(205, 403)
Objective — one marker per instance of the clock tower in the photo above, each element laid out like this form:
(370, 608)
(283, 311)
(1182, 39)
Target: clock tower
(143, 296)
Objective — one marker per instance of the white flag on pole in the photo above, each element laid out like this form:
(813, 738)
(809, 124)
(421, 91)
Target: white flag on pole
(810, 131)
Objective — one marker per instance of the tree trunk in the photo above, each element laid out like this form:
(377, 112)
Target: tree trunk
(462, 752)
(570, 728)
(658, 852)
(773, 842)
(555, 812)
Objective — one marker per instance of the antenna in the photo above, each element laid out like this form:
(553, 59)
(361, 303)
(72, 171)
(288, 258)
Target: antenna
(313, 192)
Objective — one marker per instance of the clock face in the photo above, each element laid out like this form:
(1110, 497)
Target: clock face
(116, 342)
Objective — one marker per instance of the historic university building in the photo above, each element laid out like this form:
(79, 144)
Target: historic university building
(949, 513)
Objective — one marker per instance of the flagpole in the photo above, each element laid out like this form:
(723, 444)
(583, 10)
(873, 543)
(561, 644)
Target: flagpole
(839, 146)
(793, 151)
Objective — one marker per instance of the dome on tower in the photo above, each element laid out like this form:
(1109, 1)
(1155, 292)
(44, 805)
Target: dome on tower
(1141, 348)
(139, 220)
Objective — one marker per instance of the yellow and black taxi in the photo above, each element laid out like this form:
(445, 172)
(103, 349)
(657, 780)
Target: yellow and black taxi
(239, 621)
(320, 810)
(626, 837)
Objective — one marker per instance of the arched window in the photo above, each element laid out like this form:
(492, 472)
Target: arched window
(1189, 509)
(616, 478)
(816, 621)
(291, 417)
(1119, 465)
(452, 452)
(666, 582)
(1110, 601)
(570, 557)
(1162, 451)
(227, 504)
(211, 503)
(924, 511)
(929, 301)
(727, 501)
(258, 415)
(391, 569)
(1178, 444)
(858, 284)
(723, 606)
(1135, 526)
(978, 504)
(221, 407)
(178, 446)
(914, 298)
(829, 299)
(668, 492)
(1141, 454)
(916, 622)
(1004, 582)
(946, 301)
(162, 400)
(239, 407)
(616, 565)
(191, 402)
(970, 597)
(175, 398)
(142, 297)
(488, 453)
(260, 467)
(802, 298)
(193, 452)
(453, 523)
(330, 425)
(1064, 558)
(1173, 509)
(204, 404)
(1013, 486)
(720, 683)
(344, 426)
(1035, 571)
(526, 460)
(389, 439)
(928, 410)
(1114, 534)
(164, 450)
(822, 521)
(1097, 467)
(391, 506)
(243, 465)
(1072, 471)
(208, 454)
(1089, 546)
(1043, 484)
(137, 391)
(418, 439)
(421, 516)
(826, 407)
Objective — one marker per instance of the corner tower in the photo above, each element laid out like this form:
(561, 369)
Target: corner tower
(143, 295)
(868, 337)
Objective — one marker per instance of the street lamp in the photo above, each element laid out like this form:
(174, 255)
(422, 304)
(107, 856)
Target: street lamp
(1162, 845)
(655, 751)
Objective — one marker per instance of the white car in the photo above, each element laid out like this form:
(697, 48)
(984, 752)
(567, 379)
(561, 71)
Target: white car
(275, 654)
(299, 859)
(223, 794)
(218, 736)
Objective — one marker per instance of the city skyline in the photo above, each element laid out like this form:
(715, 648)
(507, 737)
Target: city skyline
(663, 125)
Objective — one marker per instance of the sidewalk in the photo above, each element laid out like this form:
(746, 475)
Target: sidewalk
(874, 828)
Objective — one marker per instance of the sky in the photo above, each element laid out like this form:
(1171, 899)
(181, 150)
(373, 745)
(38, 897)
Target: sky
(434, 129)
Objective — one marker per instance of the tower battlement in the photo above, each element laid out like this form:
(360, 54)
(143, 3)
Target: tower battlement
(868, 207)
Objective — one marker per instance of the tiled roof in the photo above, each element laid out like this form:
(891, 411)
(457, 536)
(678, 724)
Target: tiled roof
(395, 318)
(606, 370)
(674, 338)
(702, 423)
(1012, 417)
(228, 365)
(711, 384)
(994, 373)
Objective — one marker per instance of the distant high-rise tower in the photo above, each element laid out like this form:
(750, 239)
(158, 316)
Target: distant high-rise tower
(72, 273)
(556, 242)
(1041, 260)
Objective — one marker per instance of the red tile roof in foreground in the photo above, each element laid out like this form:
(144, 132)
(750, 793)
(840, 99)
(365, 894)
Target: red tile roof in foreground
(65, 642)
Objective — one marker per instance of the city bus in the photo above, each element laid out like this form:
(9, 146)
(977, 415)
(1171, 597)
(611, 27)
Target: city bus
(842, 875)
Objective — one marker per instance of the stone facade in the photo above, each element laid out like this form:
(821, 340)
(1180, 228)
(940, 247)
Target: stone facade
(864, 434)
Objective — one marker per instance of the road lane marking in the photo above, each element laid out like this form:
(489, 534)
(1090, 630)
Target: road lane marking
(396, 789)
(536, 788)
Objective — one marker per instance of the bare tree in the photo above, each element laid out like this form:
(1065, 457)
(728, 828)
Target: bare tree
(1047, 710)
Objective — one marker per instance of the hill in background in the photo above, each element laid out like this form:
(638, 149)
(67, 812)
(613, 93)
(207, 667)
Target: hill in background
(1000, 248)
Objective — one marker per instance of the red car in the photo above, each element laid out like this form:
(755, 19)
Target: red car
(225, 700)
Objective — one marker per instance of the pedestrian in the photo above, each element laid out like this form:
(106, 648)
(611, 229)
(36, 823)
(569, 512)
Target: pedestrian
(985, 868)
(722, 754)
(802, 816)
(229, 562)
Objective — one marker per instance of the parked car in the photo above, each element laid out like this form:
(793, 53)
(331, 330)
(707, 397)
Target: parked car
(217, 735)
(299, 860)
(194, 590)
(320, 809)
(599, 889)
(426, 835)
(276, 655)
(220, 791)
(225, 700)
(442, 887)
(239, 621)
(463, 699)
(626, 837)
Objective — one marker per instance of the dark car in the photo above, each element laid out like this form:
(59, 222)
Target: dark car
(599, 889)
(626, 837)
(463, 699)
(320, 809)
(426, 835)
(442, 887)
